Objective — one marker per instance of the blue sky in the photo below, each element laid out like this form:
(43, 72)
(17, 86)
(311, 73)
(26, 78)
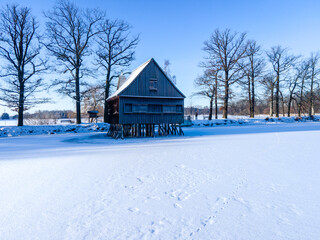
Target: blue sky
(176, 30)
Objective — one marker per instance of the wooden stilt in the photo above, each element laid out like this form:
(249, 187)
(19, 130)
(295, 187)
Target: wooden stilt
(143, 130)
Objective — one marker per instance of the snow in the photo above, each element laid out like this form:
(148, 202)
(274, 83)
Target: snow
(225, 182)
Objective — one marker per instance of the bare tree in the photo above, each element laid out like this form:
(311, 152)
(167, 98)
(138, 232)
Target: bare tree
(93, 98)
(304, 76)
(268, 82)
(292, 84)
(226, 49)
(282, 103)
(69, 33)
(253, 66)
(314, 73)
(216, 76)
(207, 85)
(167, 71)
(281, 63)
(166, 65)
(116, 52)
(20, 49)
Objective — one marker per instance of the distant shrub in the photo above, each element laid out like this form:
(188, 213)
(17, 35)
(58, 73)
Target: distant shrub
(5, 116)
(298, 119)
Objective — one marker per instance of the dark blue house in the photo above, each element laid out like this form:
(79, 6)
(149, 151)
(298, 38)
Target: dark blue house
(145, 103)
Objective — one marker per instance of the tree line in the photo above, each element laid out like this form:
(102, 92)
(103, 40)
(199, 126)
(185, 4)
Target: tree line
(288, 82)
(73, 39)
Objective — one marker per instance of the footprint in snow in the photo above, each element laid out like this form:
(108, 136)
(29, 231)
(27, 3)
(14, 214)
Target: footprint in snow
(208, 220)
(177, 205)
(219, 205)
(180, 195)
(183, 196)
(134, 209)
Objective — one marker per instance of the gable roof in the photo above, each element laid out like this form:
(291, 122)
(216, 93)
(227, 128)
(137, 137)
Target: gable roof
(135, 73)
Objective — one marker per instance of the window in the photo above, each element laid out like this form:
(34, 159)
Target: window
(169, 108)
(153, 84)
(139, 108)
(179, 108)
(154, 108)
(128, 108)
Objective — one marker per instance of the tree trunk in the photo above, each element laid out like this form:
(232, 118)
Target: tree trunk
(299, 110)
(216, 99)
(106, 96)
(21, 103)
(249, 97)
(289, 105)
(300, 100)
(226, 97)
(294, 106)
(210, 110)
(271, 102)
(252, 98)
(277, 94)
(311, 106)
(78, 106)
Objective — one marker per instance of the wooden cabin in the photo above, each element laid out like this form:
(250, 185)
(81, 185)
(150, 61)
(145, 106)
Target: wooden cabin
(146, 103)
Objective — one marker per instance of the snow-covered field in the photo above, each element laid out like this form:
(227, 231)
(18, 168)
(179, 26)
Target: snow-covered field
(10, 122)
(234, 182)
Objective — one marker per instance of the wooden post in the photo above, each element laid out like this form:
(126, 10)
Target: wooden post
(132, 130)
(137, 129)
(147, 130)
(139, 126)
(138, 134)
(180, 130)
(122, 132)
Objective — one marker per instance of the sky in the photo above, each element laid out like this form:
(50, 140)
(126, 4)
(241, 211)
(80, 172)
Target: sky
(176, 30)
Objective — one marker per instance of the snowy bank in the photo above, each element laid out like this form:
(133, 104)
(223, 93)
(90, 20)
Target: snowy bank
(252, 121)
(12, 131)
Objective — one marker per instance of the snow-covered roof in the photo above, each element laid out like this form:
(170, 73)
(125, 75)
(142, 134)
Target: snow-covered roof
(130, 79)
(135, 73)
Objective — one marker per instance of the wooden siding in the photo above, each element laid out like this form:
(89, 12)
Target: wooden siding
(141, 85)
(149, 117)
